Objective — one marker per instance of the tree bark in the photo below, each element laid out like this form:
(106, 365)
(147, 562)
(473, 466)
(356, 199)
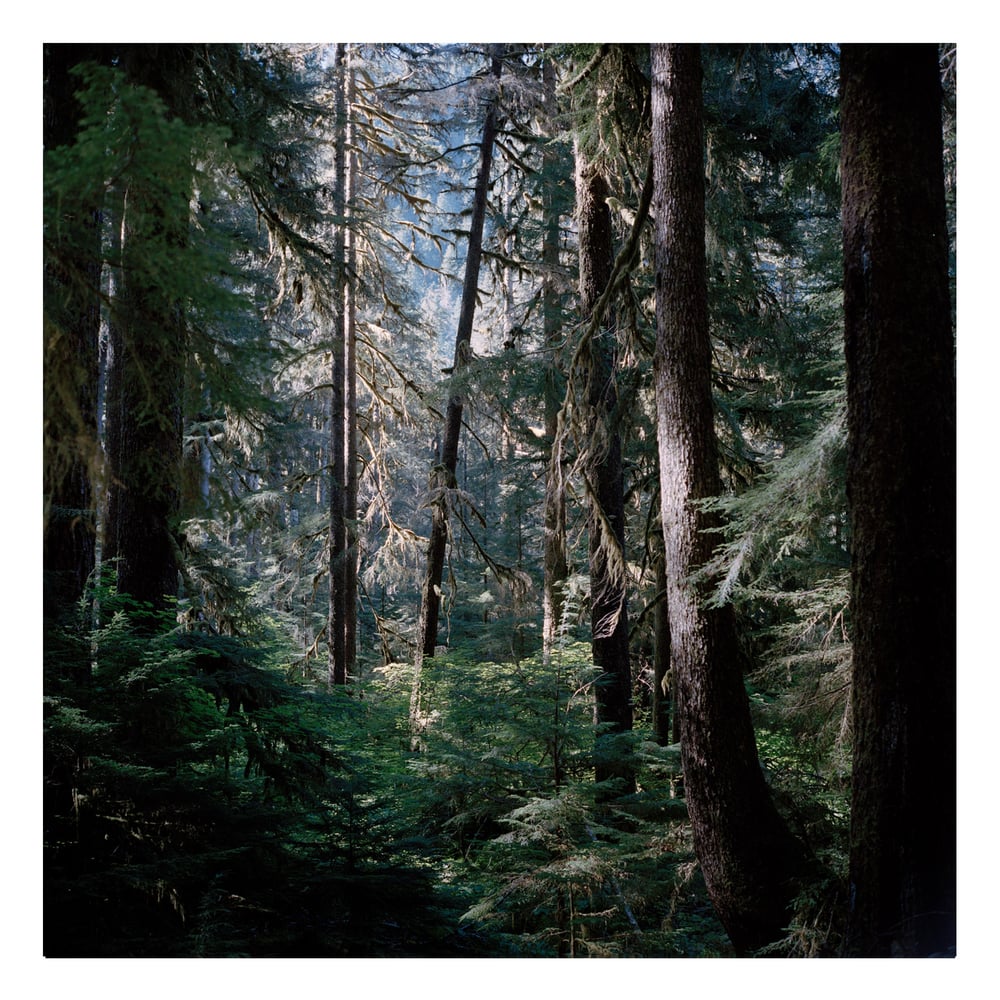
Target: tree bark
(443, 474)
(662, 678)
(148, 346)
(606, 521)
(901, 500)
(748, 857)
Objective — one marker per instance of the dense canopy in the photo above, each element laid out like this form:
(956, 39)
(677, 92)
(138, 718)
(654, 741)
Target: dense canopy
(499, 500)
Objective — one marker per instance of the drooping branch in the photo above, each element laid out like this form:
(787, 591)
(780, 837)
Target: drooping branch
(443, 474)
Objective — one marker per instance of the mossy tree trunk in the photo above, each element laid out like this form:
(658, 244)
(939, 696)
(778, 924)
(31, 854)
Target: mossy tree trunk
(901, 501)
(603, 469)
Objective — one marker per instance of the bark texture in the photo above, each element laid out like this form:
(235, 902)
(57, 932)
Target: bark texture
(606, 519)
(746, 853)
(662, 676)
(901, 499)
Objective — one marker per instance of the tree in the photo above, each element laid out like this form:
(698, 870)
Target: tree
(901, 499)
(351, 387)
(555, 567)
(72, 322)
(746, 853)
(337, 623)
(662, 678)
(606, 518)
(149, 333)
(443, 474)
(273, 239)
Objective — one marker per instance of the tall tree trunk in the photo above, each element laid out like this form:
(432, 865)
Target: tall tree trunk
(901, 500)
(443, 474)
(72, 317)
(554, 562)
(351, 395)
(337, 664)
(746, 853)
(606, 521)
(148, 347)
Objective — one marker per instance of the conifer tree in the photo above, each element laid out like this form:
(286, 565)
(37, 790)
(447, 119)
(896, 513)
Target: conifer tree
(747, 854)
(609, 96)
(555, 568)
(72, 321)
(606, 521)
(271, 238)
(149, 335)
(337, 622)
(351, 383)
(662, 674)
(901, 498)
(443, 473)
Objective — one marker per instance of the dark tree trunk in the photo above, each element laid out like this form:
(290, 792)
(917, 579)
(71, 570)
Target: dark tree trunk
(72, 318)
(606, 522)
(901, 499)
(336, 635)
(443, 474)
(662, 679)
(148, 347)
(746, 853)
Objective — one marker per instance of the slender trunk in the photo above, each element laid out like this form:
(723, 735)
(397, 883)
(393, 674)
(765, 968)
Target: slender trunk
(337, 664)
(901, 500)
(606, 521)
(443, 474)
(746, 853)
(351, 402)
(555, 567)
(662, 678)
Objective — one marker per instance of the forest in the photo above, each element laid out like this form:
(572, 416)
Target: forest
(499, 500)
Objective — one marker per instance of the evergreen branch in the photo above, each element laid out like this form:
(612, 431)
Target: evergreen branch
(595, 60)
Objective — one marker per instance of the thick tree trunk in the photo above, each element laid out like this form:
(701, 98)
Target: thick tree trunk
(148, 347)
(745, 851)
(337, 664)
(72, 315)
(145, 386)
(443, 474)
(606, 522)
(901, 499)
